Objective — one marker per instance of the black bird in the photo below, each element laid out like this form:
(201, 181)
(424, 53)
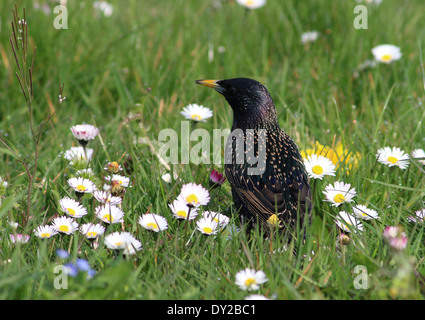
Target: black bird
(277, 193)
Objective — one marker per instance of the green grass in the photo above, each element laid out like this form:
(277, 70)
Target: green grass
(132, 73)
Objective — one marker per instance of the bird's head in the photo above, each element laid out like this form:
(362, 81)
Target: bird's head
(248, 98)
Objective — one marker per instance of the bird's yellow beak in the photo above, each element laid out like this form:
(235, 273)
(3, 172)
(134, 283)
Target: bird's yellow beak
(209, 83)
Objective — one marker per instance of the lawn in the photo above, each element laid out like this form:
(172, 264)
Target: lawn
(131, 70)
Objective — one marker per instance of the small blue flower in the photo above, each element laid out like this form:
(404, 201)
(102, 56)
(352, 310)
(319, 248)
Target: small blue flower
(63, 254)
(91, 273)
(71, 269)
(82, 265)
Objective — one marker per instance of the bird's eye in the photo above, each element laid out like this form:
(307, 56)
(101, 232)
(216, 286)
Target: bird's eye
(231, 90)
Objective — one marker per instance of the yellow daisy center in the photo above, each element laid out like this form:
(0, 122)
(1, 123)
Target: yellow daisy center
(317, 169)
(392, 159)
(387, 57)
(64, 228)
(108, 217)
(119, 243)
(182, 213)
(81, 188)
(192, 198)
(249, 282)
(339, 198)
(152, 225)
(250, 2)
(196, 117)
(71, 211)
(91, 234)
(45, 235)
(207, 229)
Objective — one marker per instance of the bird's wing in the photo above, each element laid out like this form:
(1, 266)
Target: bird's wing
(283, 192)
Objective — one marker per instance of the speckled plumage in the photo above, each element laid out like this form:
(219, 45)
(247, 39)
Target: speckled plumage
(282, 188)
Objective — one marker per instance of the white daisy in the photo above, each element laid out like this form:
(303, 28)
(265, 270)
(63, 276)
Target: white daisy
(318, 166)
(348, 223)
(118, 240)
(249, 279)
(256, 297)
(252, 4)
(132, 247)
(45, 232)
(363, 212)
(65, 225)
(92, 231)
(78, 154)
(153, 222)
(105, 7)
(105, 197)
(118, 179)
(207, 226)
(81, 185)
(166, 177)
(109, 214)
(72, 208)
(196, 113)
(221, 219)
(419, 155)
(180, 210)
(195, 194)
(309, 36)
(386, 53)
(84, 132)
(339, 193)
(393, 157)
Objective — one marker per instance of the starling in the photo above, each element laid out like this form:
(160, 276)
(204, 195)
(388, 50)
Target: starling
(277, 194)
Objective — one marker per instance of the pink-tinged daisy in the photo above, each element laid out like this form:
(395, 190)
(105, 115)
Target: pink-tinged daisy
(81, 185)
(180, 210)
(219, 218)
(419, 155)
(395, 237)
(363, 212)
(19, 238)
(393, 157)
(207, 226)
(153, 222)
(195, 194)
(65, 225)
(339, 193)
(105, 197)
(418, 218)
(72, 208)
(45, 232)
(84, 132)
(109, 214)
(250, 279)
(113, 167)
(318, 166)
(348, 223)
(252, 4)
(92, 231)
(216, 179)
(196, 113)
